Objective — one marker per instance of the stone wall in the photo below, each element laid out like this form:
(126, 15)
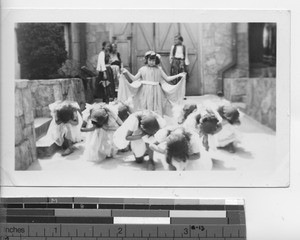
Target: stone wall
(45, 92)
(25, 149)
(261, 100)
(235, 89)
(216, 52)
(241, 69)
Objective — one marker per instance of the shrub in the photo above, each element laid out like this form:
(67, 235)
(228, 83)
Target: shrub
(41, 48)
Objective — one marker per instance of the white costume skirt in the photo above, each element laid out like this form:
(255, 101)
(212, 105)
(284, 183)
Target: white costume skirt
(99, 145)
(57, 132)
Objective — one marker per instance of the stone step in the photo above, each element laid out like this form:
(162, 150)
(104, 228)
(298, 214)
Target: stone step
(45, 147)
(41, 126)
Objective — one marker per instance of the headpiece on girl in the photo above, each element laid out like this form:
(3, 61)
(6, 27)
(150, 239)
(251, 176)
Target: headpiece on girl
(152, 55)
(99, 117)
(149, 124)
(179, 37)
(209, 124)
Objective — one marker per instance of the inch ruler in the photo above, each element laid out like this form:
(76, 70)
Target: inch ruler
(119, 218)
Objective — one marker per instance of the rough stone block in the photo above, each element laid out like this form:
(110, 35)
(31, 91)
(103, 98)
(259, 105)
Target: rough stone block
(18, 159)
(19, 137)
(71, 94)
(261, 100)
(44, 95)
(22, 156)
(33, 85)
(27, 106)
(46, 112)
(65, 85)
(18, 103)
(57, 92)
(32, 148)
(28, 131)
(21, 83)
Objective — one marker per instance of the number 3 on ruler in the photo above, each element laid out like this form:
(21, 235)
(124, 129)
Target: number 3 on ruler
(185, 231)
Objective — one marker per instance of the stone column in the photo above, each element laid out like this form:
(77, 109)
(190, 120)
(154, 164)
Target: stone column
(25, 149)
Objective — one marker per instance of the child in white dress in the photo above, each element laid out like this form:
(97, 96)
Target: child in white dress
(101, 123)
(182, 149)
(65, 126)
(149, 88)
(138, 130)
(228, 137)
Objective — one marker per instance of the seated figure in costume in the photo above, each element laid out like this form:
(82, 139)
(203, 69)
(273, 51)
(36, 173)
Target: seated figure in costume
(182, 149)
(101, 123)
(65, 126)
(203, 119)
(138, 130)
(150, 89)
(228, 137)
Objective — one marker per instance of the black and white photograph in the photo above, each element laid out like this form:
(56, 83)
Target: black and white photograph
(169, 98)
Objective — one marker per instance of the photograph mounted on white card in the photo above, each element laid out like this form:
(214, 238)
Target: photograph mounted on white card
(159, 103)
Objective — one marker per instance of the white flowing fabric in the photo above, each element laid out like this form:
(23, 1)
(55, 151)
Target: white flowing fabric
(152, 94)
(99, 143)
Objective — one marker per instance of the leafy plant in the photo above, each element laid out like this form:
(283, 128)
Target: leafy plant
(41, 49)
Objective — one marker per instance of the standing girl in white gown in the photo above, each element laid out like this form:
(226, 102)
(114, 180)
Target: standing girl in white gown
(149, 88)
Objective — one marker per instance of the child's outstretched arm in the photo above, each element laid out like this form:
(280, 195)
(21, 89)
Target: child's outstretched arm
(170, 78)
(158, 147)
(130, 137)
(132, 77)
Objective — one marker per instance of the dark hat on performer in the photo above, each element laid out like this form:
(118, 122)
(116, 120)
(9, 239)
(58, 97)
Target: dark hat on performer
(230, 113)
(152, 55)
(99, 117)
(179, 37)
(209, 124)
(149, 124)
(65, 113)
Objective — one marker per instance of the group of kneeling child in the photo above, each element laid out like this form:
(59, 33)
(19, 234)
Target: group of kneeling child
(114, 127)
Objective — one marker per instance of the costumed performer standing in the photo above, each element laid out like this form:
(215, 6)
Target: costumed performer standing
(149, 88)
